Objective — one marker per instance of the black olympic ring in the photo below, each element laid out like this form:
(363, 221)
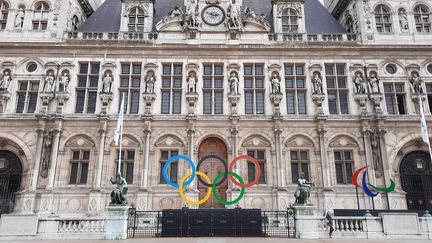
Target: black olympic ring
(213, 157)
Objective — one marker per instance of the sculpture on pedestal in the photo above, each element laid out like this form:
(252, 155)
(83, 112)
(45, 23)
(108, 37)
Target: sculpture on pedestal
(360, 83)
(275, 81)
(49, 83)
(107, 83)
(234, 83)
(19, 18)
(5, 81)
(118, 194)
(416, 83)
(64, 83)
(317, 83)
(192, 15)
(303, 190)
(374, 83)
(150, 80)
(403, 19)
(233, 20)
(191, 80)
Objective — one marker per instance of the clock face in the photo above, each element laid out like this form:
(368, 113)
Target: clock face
(213, 15)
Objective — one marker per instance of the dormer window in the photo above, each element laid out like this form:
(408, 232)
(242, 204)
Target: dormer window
(4, 11)
(383, 19)
(422, 18)
(289, 20)
(40, 16)
(136, 20)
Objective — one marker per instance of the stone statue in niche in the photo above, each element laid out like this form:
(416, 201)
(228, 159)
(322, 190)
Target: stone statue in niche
(233, 17)
(303, 190)
(375, 153)
(118, 194)
(46, 154)
(360, 83)
(150, 80)
(276, 82)
(192, 15)
(416, 83)
(374, 83)
(49, 83)
(403, 19)
(5, 81)
(317, 83)
(191, 81)
(64, 83)
(19, 18)
(107, 83)
(234, 83)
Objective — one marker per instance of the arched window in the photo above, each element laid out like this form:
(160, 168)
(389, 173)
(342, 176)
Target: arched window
(75, 23)
(4, 11)
(383, 19)
(40, 16)
(136, 19)
(422, 18)
(349, 25)
(289, 20)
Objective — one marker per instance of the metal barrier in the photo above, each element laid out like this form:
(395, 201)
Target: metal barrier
(144, 223)
(279, 223)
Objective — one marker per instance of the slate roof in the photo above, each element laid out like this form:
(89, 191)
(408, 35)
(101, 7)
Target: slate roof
(107, 17)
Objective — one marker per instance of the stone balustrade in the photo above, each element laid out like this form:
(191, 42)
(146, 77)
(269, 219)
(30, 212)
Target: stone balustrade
(310, 38)
(111, 36)
(72, 228)
(81, 226)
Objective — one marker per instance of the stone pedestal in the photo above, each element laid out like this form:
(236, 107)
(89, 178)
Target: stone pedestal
(376, 100)
(4, 97)
(276, 98)
(116, 222)
(106, 99)
(233, 100)
(361, 100)
(418, 97)
(306, 221)
(318, 99)
(61, 97)
(46, 97)
(192, 99)
(148, 100)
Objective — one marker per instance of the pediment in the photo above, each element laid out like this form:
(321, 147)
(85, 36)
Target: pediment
(256, 141)
(169, 141)
(169, 25)
(343, 141)
(299, 141)
(253, 26)
(127, 141)
(80, 141)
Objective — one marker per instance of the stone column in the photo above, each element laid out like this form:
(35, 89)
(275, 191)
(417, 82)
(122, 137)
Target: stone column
(384, 160)
(281, 169)
(39, 144)
(101, 151)
(54, 153)
(324, 166)
(368, 151)
(144, 181)
(191, 138)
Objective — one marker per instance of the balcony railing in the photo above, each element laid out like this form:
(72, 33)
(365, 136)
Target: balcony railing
(310, 38)
(111, 36)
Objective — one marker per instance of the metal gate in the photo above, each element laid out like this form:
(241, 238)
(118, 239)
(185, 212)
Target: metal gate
(149, 224)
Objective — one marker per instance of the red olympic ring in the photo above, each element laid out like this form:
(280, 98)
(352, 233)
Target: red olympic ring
(258, 168)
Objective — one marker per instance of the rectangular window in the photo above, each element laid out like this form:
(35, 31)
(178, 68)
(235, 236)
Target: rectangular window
(172, 75)
(344, 164)
(395, 98)
(127, 164)
(260, 156)
(213, 88)
(130, 87)
(88, 79)
(299, 163)
(27, 96)
(429, 96)
(295, 88)
(172, 168)
(254, 88)
(79, 167)
(337, 90)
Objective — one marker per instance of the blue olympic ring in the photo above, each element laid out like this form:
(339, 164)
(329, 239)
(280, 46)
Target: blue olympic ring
(169, 161)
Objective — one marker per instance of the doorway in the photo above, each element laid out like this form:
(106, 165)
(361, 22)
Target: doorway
(10, 180)
(212, 167)
(416, 179)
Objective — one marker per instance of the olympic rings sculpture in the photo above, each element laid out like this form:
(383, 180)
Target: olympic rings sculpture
(205, 180)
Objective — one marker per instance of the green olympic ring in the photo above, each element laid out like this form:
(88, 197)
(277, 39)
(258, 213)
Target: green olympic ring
(215, 191)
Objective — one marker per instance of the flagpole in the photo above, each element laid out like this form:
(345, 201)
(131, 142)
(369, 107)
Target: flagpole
(425, 133)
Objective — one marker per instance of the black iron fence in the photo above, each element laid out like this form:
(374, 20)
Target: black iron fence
(217, 222)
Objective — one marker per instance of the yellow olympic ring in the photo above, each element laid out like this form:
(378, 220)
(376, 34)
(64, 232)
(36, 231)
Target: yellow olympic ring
(183, 196)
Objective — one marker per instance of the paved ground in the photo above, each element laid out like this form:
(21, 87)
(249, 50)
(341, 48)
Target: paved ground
(223, 240)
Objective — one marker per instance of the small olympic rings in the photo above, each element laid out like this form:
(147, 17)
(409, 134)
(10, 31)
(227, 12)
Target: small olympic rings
(170, 161)
(205, 180)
